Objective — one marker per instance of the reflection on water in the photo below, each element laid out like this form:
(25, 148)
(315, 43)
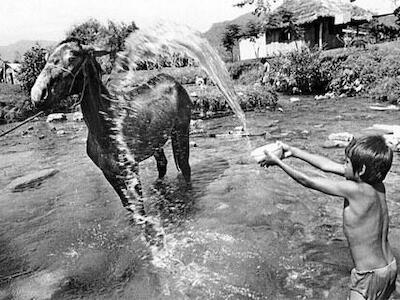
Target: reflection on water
(239, 232)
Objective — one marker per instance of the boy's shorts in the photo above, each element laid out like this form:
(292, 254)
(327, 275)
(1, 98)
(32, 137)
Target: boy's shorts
(374, 284)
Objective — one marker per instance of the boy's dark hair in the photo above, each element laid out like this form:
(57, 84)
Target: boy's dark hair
(373, 152)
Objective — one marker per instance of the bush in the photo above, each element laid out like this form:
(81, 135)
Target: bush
(361, 72)
(209, 101)
(14, 104)
(32, 64)
(387, 90)
(301, 72)
(239, 70)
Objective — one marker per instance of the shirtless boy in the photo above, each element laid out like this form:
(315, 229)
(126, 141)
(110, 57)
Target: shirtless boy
(365, 212)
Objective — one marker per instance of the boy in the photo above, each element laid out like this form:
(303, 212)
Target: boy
(365, 213)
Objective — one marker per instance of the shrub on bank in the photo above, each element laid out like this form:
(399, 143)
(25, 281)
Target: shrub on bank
(373, 72)
(387, 90)
(209, 101)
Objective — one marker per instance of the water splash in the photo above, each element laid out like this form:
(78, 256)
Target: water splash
(165, 39)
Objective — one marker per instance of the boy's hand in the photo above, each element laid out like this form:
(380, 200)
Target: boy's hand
(287, 150)
(269, 160)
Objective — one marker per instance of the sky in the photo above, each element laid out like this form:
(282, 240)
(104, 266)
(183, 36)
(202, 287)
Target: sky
(51, 19)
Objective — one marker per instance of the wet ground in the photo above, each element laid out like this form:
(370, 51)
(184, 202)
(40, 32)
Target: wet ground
(240, 232)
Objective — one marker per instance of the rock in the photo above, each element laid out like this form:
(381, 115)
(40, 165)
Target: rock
(239, 128)
(77, 116)
(41, 137)
(30, 128)
(31, 180)
(196, 126)
(395, 129)
(389, 107)
(326, 96)
(57, 117)
(330, 95)
(320, 97)
(294, 99)
(392, 141)
(222, 206)
(272, 123)
(193, 144)
(193, 94)
(341, 136)
(319, 125)
(335, 144)
(60, 132)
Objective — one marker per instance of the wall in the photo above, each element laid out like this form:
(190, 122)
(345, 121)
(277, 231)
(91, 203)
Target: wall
(275, 42)
(251, 50)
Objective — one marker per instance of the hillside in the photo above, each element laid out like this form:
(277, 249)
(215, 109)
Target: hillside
(215, 33)
(16, 50)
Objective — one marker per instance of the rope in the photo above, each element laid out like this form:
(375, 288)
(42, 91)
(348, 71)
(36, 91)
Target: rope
(19, 125)
(74, 105)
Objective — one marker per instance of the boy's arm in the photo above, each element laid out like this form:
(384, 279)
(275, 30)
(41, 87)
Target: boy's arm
(342, 188)
(320, 162)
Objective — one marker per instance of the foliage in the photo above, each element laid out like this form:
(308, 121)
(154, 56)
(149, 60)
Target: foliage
(246, 72)
(186, 75)
(261, 7)
(111, 37)
(397, 14)
(286, 20)
(14, 103)
(301, 72)
(231, 35)
(33, 62)
(92, 32)
(387, 90)
(251, 30)
(209, 101)
(379, 32)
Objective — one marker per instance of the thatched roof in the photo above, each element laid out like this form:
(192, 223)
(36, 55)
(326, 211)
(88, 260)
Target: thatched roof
(307, 11)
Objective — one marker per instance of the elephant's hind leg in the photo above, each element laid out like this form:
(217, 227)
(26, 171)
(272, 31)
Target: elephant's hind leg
(180, 147)
(161, 162)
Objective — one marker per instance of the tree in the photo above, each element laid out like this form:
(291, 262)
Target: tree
(33, 62)
(92, 32)
(111, 37)
(252, 30)
(231, 35)
(261, 7)
(397, 14)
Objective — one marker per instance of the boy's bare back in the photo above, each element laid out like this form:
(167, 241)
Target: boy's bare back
(365, 225)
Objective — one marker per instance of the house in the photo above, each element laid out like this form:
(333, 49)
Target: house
(8, 72)
(321, 23)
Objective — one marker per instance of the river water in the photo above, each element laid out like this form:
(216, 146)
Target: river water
(240, 232)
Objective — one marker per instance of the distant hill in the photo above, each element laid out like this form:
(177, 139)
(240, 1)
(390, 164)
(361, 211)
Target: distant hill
(216, 32)
(17, 50)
